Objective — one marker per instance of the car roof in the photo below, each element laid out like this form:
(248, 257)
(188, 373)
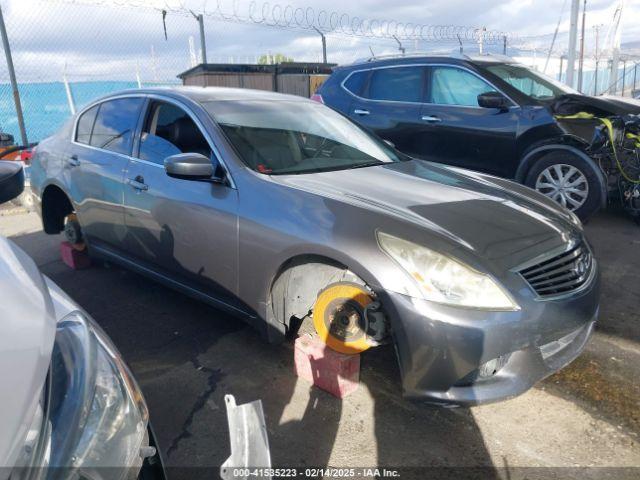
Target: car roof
(459, 59)
(208, 94)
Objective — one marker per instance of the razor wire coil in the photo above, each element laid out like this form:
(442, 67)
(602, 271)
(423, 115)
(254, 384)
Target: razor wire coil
(288, 16)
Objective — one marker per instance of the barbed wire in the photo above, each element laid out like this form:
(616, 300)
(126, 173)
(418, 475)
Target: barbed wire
(287, 16)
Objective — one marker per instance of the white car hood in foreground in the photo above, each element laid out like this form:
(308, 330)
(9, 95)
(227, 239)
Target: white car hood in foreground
(27, 333)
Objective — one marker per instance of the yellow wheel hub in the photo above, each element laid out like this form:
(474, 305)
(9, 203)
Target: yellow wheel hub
(339, 319)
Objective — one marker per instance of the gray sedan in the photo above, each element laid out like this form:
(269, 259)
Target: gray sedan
(287, 214)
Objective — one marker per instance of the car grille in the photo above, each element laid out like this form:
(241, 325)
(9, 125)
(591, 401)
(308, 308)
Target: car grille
(563, 273)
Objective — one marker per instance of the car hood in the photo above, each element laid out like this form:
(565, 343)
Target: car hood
(28, 323)
(619, 105)
(601, 106)
(495, 218)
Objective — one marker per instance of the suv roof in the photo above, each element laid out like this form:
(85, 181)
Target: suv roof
(422, 56)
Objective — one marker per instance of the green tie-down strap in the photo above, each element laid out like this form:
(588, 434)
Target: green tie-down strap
(609, 126)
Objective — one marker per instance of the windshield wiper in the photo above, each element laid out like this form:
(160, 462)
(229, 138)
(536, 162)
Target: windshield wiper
(363, 165)
(334, 168)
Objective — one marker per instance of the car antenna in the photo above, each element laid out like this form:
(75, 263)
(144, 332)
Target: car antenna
(460, 42)
(373, 55)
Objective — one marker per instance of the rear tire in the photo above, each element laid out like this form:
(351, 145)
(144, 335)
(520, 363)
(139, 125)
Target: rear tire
(569, 180)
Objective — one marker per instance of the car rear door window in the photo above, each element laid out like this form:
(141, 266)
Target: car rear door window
(85, 125)
(454, 86)
(355, 82)
(397, 84)
(169, 130)
(115, 123)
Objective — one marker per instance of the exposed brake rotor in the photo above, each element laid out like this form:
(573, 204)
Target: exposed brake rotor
(339, 317)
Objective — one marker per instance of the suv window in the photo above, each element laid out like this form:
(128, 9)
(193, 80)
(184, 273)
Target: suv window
(530, 83)
(399, 84)
(115, 123)
(355, 82)
(85, 125)
(169, 130)
(454, 86)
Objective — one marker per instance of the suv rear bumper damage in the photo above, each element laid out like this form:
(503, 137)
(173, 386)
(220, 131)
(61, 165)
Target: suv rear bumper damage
(470, 357)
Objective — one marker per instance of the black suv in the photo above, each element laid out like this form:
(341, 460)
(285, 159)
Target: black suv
(486, 113)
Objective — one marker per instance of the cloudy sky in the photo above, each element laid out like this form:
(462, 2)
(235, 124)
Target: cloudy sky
(89, 39)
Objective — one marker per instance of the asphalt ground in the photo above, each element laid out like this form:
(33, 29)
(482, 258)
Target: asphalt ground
(583, 422)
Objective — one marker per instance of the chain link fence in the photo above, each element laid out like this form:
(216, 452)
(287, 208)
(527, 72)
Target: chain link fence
(68, 52)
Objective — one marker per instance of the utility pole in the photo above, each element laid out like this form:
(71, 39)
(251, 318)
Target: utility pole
(12, 78)
(581, 61)
(624, 74)
(324, 44)
(560, 72)
(573, 40)
(504, 44)
(615, 56)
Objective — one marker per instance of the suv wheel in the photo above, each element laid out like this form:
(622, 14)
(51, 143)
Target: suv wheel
(568, 180)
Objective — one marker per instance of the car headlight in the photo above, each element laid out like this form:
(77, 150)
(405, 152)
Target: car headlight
(444, 280)
(98, 417)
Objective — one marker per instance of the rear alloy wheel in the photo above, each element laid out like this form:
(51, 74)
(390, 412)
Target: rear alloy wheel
(568, 180)
(339, 317)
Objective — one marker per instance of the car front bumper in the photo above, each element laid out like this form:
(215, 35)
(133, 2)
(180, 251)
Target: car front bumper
(441, 349)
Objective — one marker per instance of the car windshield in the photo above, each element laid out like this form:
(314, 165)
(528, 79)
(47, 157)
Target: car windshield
(529, 82)
(296, 137)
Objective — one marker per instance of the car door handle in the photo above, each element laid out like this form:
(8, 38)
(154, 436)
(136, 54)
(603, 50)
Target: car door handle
(138, 184)
(431, 119)
(359, 111)
(73, 161)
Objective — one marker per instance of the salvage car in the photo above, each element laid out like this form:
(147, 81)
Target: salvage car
(70, 407)
(284, 212)
(491, 114)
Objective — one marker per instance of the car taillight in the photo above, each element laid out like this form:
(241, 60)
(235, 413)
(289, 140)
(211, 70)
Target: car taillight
(316, 97)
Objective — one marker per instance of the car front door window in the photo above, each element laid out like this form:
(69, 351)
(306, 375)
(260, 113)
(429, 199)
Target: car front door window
(169, 130)
(454, 86)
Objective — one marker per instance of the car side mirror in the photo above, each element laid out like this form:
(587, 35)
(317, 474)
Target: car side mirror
(11, 180)
(191, 166)
(494, 100)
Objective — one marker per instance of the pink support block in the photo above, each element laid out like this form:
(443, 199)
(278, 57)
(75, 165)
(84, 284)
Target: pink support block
(75, 259)
(327, 369)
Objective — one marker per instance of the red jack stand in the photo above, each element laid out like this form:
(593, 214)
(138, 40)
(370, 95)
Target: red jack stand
(76, 259)
(334, 372)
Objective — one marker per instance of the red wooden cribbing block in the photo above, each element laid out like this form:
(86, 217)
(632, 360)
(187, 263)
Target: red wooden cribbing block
(75, 259)
(327, 369)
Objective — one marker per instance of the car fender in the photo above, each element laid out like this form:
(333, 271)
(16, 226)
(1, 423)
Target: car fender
(535, 153)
